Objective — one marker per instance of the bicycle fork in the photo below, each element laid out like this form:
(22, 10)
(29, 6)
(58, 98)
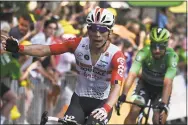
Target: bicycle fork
(143, 114)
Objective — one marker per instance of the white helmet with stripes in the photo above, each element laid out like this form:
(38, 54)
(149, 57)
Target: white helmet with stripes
(100, 16)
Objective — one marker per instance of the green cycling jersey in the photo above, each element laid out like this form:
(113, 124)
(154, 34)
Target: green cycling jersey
(154, 71)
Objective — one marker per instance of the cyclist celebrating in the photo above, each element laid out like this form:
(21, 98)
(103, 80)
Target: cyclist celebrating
(100, 66)
(158, 63)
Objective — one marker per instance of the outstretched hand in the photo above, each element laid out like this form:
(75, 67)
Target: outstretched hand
(10, 44)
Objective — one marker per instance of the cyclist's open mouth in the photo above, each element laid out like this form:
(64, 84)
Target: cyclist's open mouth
(98, 41)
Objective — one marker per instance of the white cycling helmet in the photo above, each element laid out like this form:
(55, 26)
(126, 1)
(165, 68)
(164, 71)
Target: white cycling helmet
(100, 16)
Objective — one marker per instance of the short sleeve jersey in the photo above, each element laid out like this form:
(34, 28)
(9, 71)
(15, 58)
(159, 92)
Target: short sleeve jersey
(93, 80)
(154, 71)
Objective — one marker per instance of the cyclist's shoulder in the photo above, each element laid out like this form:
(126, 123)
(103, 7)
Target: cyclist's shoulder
(172, 57)
(113, 47)
(69, 38)
(170, 50)
(143, 53)
(171, 53)
(83, 40)
(145, 49)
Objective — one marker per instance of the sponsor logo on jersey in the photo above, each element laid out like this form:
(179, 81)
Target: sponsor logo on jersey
(174, 64)
(138, 58)
(162, 66)
(79, 55)
(96, 71)
(118, 82)
(86, 47)
(104, 62)
(69, 117)
(86, 57)
(91, 76)
(107, 54)
(101, 65)
(121, 66)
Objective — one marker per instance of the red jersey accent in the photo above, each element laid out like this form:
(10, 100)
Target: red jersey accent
(118, 67)
(69, 45)
(21, 48)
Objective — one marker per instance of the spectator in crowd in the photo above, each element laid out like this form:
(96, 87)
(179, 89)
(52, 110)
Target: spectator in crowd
(23, 28)
(9, 70)
(45, 37)
(140, 34)
(162, 18)
(25, 23)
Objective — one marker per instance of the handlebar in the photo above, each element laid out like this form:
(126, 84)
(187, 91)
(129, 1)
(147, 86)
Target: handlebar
(45, 118)
(117, 106)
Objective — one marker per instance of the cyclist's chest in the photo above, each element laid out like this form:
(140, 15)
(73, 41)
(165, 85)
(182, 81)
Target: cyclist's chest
(86, 59)
(91, 65)
(158, 66)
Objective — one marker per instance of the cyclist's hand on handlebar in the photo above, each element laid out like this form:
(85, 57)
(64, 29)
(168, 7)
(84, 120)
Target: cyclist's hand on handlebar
(163, 112)
(100, 113)
(162, 107)
(121, 100)
(162, 118)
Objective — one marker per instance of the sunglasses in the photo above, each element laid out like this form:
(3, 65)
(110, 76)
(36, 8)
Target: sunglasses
(95, 28)
(161, 46)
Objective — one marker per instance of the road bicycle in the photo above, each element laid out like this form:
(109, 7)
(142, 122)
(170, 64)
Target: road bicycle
(45, 119)
(142, 114)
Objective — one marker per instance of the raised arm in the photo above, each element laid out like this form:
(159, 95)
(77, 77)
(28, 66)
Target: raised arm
(35, 50)
(10, 44)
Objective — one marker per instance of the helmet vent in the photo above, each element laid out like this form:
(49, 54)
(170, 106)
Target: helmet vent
(106, 22)
(158, 33)
(103, 18)
(88, 20)
(92, 18)
(163, 35)
(98, 16)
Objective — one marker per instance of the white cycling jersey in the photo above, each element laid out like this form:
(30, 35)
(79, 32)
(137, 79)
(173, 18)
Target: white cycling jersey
(94, 80)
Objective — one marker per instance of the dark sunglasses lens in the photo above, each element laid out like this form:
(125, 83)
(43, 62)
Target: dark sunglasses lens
(96, 28)
(160, 46)
(103, 29)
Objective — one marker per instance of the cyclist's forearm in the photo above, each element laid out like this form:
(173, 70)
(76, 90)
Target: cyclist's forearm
(36, 50)
(128, 83)
(114, 94)
(24, 75)
(167, 89)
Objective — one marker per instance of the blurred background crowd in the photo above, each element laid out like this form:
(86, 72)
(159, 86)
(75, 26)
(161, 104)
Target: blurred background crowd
(47, 83)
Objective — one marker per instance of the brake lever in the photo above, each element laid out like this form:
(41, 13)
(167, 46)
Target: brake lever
(117, 108)
(44, 118)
